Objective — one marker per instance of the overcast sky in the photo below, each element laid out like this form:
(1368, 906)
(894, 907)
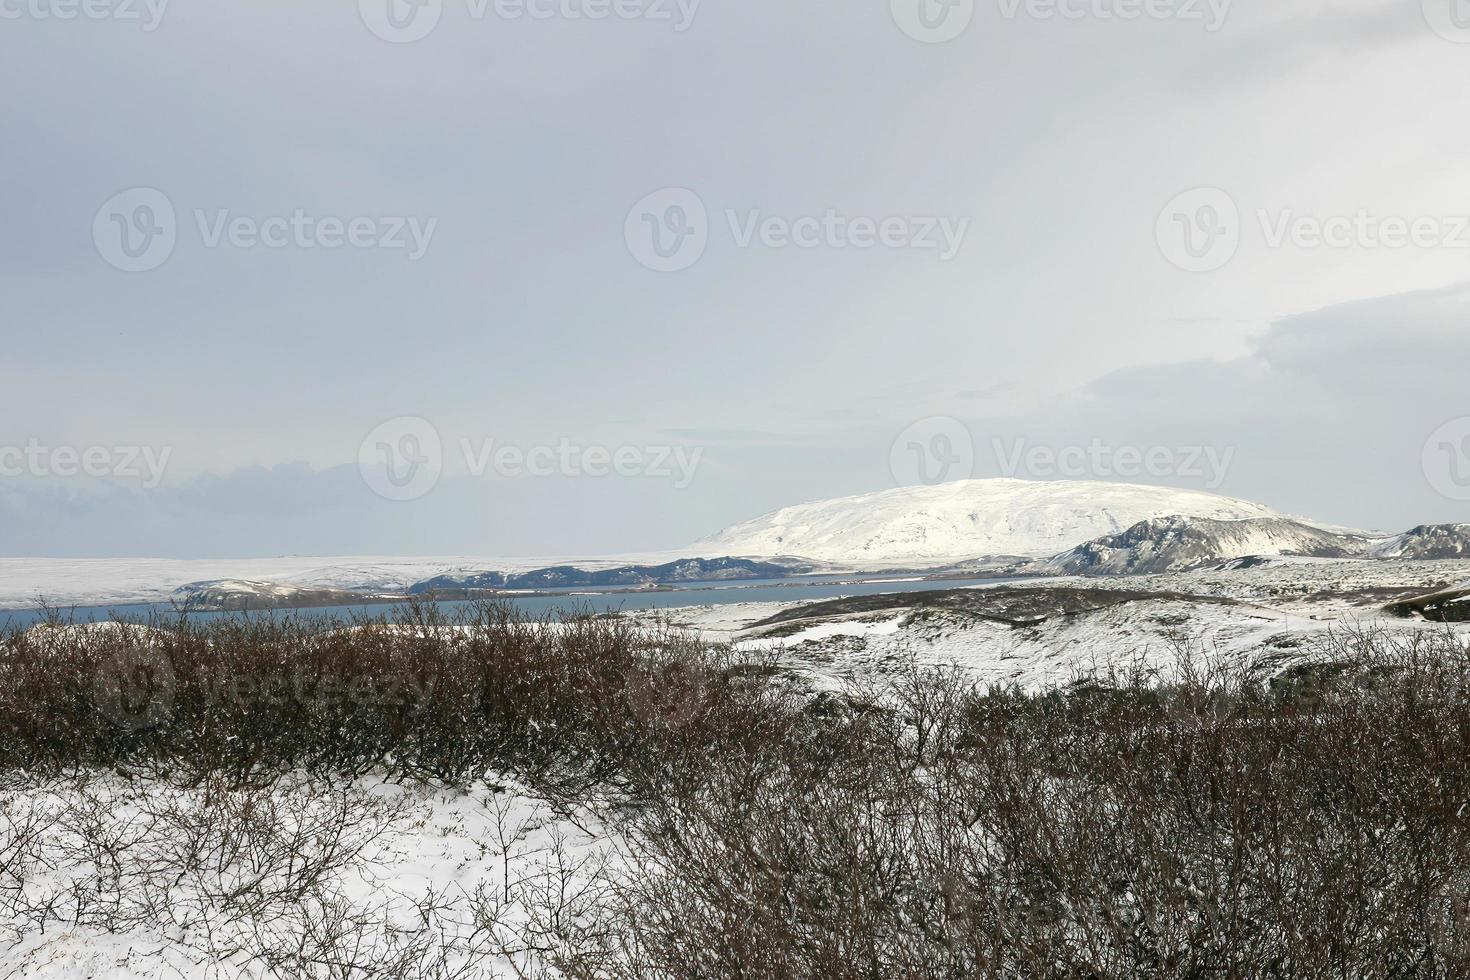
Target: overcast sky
(511, 278)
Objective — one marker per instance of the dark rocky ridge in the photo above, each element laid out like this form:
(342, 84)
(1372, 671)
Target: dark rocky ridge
(1447, 606)
(629, 576)
(1430, 542)
(1174, 544)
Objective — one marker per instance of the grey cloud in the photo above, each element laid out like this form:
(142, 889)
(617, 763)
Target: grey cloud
(1328, 417)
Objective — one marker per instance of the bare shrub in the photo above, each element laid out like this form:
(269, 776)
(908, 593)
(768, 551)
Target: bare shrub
(1303, 815)
(1310, 824)
(574, 704)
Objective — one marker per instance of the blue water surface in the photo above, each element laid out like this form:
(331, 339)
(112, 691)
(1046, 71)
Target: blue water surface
(549, 605)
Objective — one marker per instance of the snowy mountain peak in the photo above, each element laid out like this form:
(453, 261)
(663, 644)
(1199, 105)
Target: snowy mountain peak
(968, 519)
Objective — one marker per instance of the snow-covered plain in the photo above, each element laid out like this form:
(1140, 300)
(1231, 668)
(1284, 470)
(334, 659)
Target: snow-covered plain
(1265, 615)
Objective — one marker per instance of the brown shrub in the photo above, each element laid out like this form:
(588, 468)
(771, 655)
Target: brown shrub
(1301, 823)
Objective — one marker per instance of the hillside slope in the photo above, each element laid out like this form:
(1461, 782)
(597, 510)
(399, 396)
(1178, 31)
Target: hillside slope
(966, 519)
(1173, 544)
(1428, 541)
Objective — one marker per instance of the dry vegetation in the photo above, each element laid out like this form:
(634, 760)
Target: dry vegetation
(1310, 823)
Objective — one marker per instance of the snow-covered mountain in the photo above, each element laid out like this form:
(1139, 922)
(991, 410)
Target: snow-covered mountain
(1428, 541)
(968, 519)
(1173, 544)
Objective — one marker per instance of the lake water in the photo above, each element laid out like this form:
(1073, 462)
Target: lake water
(549, 606)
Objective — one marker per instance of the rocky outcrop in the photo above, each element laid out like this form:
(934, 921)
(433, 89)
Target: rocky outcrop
(1428, 542)
(1174, 544)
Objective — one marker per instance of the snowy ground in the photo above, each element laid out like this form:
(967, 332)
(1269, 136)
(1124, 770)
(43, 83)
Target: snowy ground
(1267, 614)
(213, 885)
(185, 883)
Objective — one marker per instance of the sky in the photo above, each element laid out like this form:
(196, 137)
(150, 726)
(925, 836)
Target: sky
(580, 277)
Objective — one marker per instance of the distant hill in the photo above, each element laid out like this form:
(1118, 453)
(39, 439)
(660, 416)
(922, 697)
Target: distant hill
(970, 519)
(1173, 544)
(630, 576)
(1428, 541)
